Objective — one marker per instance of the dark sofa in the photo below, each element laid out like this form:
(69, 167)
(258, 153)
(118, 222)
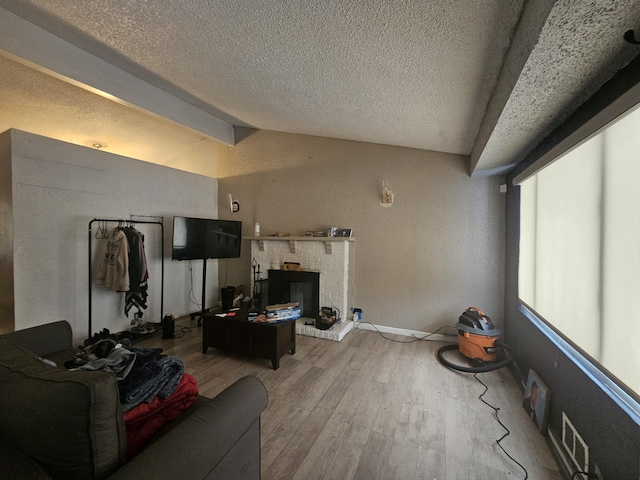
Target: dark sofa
(56, 423)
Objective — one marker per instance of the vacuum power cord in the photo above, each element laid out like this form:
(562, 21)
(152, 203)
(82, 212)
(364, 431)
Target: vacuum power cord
(483, 368)
(507, 432)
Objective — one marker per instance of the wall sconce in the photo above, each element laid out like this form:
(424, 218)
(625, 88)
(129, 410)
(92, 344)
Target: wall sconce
(234, 206)
(387, 195)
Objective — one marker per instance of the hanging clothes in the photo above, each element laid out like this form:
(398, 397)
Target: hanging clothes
(122, 267)
(113, 262)
(137, 294)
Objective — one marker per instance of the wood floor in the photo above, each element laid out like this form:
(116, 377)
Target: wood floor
(371, 408)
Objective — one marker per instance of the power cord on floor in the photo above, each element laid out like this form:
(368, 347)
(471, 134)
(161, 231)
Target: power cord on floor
(413, 339)
(495, 410)
(183, 329)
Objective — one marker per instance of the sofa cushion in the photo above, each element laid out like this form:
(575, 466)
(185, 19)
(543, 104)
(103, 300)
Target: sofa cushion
(70, 422)
(16, 464)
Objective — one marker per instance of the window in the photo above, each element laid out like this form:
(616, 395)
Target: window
(580, 247)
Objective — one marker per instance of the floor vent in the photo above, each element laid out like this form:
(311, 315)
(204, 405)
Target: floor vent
(574, 444)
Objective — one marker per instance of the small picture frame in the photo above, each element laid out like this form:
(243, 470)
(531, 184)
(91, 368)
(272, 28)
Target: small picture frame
(537, 397)
(343, 232)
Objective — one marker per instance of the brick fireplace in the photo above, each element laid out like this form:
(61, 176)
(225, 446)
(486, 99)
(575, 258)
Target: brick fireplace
(328, 256)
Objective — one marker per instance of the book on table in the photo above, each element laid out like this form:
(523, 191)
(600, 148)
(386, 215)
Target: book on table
(282, 312)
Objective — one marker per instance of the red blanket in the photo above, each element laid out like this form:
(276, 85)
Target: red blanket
(143, 421)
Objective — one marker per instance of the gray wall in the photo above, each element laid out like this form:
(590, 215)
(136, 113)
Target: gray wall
(417, 264)
(57, 189)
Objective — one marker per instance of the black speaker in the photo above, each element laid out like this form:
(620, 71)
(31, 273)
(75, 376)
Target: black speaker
(227, 293)
(168, 326)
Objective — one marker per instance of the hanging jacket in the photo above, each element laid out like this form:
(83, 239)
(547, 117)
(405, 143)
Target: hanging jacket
(113, 262)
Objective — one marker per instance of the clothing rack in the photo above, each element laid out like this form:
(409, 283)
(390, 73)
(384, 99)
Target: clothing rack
(129, 222)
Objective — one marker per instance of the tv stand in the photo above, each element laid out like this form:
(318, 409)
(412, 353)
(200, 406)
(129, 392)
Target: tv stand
(204, 310)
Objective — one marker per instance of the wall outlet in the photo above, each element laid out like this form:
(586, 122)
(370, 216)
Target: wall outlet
(574, 444)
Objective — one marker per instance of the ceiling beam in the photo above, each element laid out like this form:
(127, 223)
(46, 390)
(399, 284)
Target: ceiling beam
(532, 19)
(32, 46)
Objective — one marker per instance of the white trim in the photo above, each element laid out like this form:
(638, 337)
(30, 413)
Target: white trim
(404, 332)
(32, 46)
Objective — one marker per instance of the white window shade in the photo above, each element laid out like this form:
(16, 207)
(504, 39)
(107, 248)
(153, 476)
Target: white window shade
(621, 255)
(580, 246)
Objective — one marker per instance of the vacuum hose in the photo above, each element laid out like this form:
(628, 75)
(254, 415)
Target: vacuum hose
(481, 365)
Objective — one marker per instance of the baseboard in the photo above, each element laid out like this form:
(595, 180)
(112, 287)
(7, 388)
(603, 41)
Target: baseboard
(404, 332)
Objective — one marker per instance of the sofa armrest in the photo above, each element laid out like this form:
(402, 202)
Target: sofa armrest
(195, 447)
(43, 339)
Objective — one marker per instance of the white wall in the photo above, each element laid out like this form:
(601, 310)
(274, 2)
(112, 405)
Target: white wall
(416, 265)
(57, 189)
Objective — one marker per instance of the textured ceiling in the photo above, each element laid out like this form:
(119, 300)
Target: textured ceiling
(486, 78)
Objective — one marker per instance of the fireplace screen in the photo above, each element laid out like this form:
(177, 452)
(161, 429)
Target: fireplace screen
(301, 287)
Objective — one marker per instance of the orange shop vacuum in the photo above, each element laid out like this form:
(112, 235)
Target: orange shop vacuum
(477, 336)
(479, 341)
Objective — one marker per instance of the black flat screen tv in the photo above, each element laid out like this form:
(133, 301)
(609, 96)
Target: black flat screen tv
(202, 238)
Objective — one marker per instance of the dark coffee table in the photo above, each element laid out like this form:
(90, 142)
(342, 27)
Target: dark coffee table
(238, 335)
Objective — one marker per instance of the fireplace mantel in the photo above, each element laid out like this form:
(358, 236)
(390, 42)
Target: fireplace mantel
(293, 246)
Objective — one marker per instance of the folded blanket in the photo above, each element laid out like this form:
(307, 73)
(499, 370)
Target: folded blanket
(145, 369)
(162, 385)
(143, 421)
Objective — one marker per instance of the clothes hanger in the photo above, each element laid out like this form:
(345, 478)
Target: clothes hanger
(101, 232)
